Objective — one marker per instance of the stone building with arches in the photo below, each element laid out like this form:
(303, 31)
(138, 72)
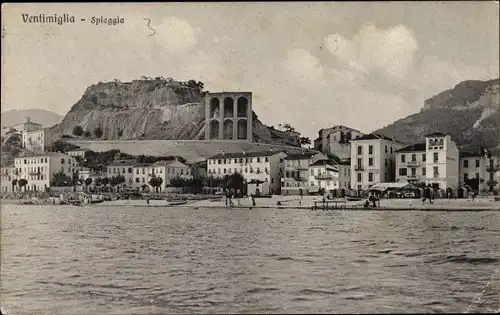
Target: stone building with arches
(228, 116)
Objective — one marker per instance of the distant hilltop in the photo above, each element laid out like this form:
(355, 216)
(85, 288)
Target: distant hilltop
(159, 108)
(469, 112)
(41, 116)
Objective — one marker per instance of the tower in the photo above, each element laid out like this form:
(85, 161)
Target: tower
(228, 116)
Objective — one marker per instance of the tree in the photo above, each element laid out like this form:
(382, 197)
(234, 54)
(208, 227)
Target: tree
(14, 183)
(88, 182)
(156, 182)
(117, 180)
(60, 179)
(234, 181)
(304, 141)
(22, 183)
(178, 182)
(98, 132)
(78, 131)
(62, 146)
(87, 134)
(105, 182)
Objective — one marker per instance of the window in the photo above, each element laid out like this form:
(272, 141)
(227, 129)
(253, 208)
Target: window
(385, 177)
(143, 171)
(413, 171)
(258, 160)
(219, 161)
(360, 149)
(359, 163)
(224, 171)
(370, 149)
(385, 149)
(235, 161)
(370, 162)
(423, 171)
(218, 171)
(391, 150)
(385, 162)
(403, 158)
(267, 159)
(312, 172)
(62, 161)
(143, 180)
(477, 175)
(436, 171)
(359, 177)
(136, 180)
(130, 170)
(370, 177)
(229, 171)
(436, 157)
(414, 157)
(423, 157)
(466, 163)
(477, 163)
(402, 171)
(123, 170)
(137, 171)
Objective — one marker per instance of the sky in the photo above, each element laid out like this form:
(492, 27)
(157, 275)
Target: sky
(312, 65)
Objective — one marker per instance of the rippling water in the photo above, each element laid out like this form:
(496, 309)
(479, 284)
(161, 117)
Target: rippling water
(90, 260)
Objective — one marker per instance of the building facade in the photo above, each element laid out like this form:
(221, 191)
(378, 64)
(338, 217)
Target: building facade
(7, 176)
(411, 163)
(34, 140)
(75, 153)
(345, 174)
(323, 175)
(479, 169)
(295, 175)
(27, 126)
(263, 166)
(122, 168)
(336, 140)
(39, 170)
(229, 116)
(442, 162)
(373, 160)
(168, 170)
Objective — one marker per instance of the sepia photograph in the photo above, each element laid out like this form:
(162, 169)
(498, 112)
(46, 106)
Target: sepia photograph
(250, 158)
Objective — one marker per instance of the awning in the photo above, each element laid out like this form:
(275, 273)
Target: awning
(314, 189)
(385, 186)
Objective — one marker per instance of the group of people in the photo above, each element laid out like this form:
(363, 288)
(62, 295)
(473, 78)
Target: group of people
(230, 195)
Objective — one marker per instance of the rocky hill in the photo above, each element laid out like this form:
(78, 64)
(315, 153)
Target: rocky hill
(146, 109)
(470, 113)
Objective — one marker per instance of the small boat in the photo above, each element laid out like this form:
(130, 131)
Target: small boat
(177, 203)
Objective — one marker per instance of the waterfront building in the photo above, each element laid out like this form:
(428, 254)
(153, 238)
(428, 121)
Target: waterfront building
(123, 168)
(168, 170)
(411, 163)
(373, 160)
(35, 140)
(336, 140)
(262, 166)
(323, 175)
(479, 170)
(38, 170)
(295, 176)
(7, 176)
(345, 174)
(442, 161)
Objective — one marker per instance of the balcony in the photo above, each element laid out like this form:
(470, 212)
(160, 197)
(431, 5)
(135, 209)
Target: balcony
(359, 168)
(412, 163)
(412, 177)
(324, 177)
(492, 168)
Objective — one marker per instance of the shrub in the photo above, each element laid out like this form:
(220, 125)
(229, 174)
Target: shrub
(98, 132)
(78, 131)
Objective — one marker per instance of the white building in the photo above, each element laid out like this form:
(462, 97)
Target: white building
(345, 174)
(168, 170)
(38, 170)
(336, 140)
(124, 168)
(372, 160)
(7, 176)
(78, 152)
(295, 176)
(34, 140)
(480, 167)
(441, 162)
(260, 166)
(323, 174)
(411, 163)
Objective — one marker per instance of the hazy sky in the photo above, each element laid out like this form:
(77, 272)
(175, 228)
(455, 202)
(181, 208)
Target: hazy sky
(312, 65)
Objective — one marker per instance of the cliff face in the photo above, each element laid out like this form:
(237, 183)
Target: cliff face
(470, 113)
(143, 109)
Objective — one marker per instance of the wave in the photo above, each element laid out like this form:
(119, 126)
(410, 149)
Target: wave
(315, 291)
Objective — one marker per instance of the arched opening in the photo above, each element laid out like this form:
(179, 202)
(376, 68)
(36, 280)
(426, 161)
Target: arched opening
(214, 129)
(431, 143)
(242, 129)
(228, 107)
(214, 108)
(242, 106)
(441, 142)
(228, 129)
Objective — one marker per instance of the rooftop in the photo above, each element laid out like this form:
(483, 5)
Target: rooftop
(436, 134)
(243, 154)
(417, 147)
(373, 136)
(324, 162)
(300, 156)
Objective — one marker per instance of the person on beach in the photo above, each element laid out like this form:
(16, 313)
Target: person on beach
(253, 201)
